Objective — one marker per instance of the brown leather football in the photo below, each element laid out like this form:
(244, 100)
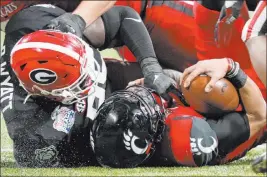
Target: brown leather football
(223, 97)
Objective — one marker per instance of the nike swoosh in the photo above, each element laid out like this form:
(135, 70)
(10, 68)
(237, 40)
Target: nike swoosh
(136, 20)
(155, 78)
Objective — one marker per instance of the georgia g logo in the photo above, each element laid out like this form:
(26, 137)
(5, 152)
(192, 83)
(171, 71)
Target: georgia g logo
(43, 76)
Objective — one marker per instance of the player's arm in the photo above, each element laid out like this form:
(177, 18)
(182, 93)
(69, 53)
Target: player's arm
(123, 26)
(251, 95)
(249, 92)
(83, 15)
(254, 35)
(91, 10)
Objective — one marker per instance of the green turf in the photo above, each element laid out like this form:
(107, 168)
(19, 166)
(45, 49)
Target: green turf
(238, 168)
(241, 167)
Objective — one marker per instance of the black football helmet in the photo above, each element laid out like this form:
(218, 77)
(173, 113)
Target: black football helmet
(127, 126)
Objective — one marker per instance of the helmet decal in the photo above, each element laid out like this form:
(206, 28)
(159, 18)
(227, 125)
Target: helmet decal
(129, 141)
(43, 76)
(127, 127)
(59, 66)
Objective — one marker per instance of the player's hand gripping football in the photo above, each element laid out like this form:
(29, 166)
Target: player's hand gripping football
(69, 23)
(215, 68)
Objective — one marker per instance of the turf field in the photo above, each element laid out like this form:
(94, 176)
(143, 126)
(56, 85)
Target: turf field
(238, 168)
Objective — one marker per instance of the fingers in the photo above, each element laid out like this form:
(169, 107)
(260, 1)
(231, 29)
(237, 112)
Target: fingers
(211, 83)
(192, 76)
(186, 72)
(175, 75)
(136, 82)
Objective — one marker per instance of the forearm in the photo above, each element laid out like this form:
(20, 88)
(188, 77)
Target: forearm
(137, 39)
(123, 26)
(257, 51)
(91, 10)
(254, 105)
(250, 94)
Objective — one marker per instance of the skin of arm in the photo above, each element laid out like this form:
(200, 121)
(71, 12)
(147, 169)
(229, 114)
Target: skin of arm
(91, 10)
(257, 50)
(251, 95)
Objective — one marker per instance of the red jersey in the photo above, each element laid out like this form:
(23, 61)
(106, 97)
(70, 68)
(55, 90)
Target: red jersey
(182, 35)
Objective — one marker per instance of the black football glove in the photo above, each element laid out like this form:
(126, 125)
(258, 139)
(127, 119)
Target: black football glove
(154, 77)
(69, 23)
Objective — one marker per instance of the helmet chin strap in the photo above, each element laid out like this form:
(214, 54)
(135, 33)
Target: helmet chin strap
(26, 98)
(29, 94)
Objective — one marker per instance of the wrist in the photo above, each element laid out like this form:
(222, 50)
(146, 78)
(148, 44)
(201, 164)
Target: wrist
(230, 63)
(150, 65)
(237, 76)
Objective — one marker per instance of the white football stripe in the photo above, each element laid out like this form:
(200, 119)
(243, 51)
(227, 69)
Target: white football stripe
(259, 23)
(49, 46)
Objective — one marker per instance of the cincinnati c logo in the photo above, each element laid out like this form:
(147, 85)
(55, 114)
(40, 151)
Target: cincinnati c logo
(43, 76)
(129, 142)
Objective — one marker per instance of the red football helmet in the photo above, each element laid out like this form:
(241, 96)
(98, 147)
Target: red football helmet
(57, 65)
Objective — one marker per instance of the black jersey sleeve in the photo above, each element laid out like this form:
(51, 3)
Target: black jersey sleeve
(232, 130)
(124, 26)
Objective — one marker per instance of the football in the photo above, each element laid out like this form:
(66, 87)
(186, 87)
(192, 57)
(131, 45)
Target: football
(221, 99)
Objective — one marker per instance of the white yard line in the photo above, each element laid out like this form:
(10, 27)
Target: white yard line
(6, 150)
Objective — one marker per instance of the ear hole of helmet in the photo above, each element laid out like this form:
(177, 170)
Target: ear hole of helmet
(50, 34)
(42, 61)
(23, 66)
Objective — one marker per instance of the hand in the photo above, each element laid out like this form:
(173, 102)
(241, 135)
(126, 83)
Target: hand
(69, 23)
(154, 77)
(172, 92)
(215, 68)
(136, 82)
(175, 75)
(223, 28)
(159, 82)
